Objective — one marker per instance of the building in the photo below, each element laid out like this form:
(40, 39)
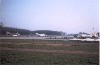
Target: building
(12, 34)
(8, 34)
(69, 36)
(98, 34)
(41, 34)
(15, 34)
(84, 35)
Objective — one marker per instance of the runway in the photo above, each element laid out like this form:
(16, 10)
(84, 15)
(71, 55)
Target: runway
(48, 38)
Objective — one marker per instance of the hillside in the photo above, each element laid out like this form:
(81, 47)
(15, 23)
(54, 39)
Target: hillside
(3, 31)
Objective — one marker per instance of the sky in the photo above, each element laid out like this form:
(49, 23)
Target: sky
(70, 16)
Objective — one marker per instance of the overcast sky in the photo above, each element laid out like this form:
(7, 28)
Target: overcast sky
(70, 16)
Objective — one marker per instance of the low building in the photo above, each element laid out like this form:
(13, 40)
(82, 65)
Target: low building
(8, 34)
(41, 34)
(96, 35)
(84, 35)
(12, 34)
(15, 34)
(70, 37)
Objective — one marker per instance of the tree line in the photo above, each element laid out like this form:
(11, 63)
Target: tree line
(4, 30)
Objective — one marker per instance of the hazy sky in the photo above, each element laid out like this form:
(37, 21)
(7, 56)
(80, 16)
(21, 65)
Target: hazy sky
(71, 16)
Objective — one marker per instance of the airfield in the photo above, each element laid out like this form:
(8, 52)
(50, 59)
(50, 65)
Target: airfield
(52, 38)
(48, 51)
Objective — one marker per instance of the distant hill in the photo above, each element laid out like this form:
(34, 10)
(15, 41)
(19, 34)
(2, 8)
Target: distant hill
(3, 31)
(48, 32)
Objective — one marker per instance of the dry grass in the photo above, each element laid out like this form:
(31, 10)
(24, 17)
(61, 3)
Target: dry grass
(48, 52)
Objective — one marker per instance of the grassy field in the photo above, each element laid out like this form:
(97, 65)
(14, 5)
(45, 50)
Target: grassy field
(48, 52)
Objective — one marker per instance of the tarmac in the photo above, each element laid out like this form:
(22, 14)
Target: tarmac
(48, 38)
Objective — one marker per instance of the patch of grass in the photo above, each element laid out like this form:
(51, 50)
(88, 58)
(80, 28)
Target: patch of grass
(35, 58)
(88, 47)
(42, 58)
